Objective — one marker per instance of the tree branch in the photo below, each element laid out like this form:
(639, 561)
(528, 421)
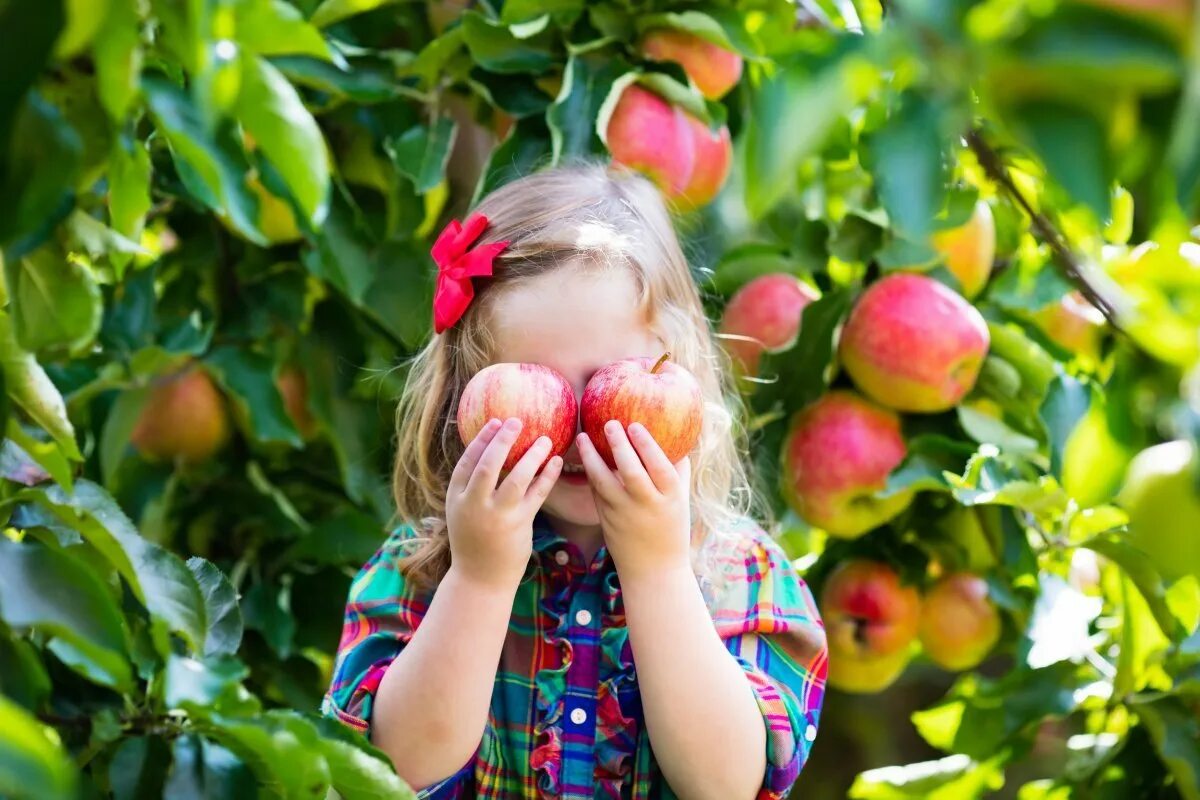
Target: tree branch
(1070, 266)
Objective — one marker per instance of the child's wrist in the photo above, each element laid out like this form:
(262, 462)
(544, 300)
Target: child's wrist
(489, 584)
(656, 573)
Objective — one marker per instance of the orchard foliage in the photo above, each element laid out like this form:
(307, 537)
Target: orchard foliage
(215, 218)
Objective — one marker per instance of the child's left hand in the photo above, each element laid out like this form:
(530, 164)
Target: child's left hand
(644, 505)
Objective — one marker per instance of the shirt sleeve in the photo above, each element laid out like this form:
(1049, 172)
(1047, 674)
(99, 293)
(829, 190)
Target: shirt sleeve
(382, 612)
(768, 619)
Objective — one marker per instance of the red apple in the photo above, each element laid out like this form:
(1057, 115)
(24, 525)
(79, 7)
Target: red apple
(711, 67)
(538, 396)
(969, 249)
(767, 310)
(959, 625)
(837, 456)
(714, 157)
(913, 343)
(870, 623)
(185, 419)
(648, 134)
(660, 394)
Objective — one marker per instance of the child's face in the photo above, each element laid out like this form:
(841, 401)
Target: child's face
(576, 322)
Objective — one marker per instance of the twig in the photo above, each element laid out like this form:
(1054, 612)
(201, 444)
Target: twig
(1043, 228)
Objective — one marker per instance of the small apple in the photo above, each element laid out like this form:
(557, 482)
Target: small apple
(660, 394)
(711, 67)
(713, 158)
(913, 343)
(969, 249)
(870, 623)
(538, 396)
(959, 625)
(767, 310)
(648, 134)
(1164, 507)
(1074, 324)
(293, 388)
(184, 419)
(837, 457)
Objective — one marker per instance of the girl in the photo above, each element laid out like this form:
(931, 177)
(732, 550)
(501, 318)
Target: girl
(568, 630)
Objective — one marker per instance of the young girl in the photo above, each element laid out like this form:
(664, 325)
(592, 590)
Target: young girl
(567, 630)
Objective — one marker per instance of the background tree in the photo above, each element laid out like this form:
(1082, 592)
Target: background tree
(950, 245)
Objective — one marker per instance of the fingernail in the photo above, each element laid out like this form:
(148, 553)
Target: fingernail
(637, 428)
(512, 423)
(612, 426)
(544, 441)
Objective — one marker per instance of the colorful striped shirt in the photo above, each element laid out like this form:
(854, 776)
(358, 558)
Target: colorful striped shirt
(566, 717)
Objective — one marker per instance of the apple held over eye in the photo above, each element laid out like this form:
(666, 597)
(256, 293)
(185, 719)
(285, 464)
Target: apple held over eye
(660, 394)
(538, 396)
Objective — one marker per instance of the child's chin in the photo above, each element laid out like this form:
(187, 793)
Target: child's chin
(572, 503)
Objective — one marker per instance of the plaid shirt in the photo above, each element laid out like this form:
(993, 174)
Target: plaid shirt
(566, 717)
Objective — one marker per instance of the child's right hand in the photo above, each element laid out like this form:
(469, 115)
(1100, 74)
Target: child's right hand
(491, 527)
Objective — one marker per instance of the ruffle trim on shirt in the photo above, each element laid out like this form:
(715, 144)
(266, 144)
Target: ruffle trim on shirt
(616, 739)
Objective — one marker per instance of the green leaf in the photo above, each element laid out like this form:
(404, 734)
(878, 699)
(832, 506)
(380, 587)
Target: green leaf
(23, 679)
(31, 389)
(908, 166)
(1067, 401)
(348, 538)
(357, 768)
(587, 81)
(33, 764)
(46, 454)
(30, 30)
(221, 608)
(276, 27)
(248, 377)
(266, 608)
(208, 684)
(332, 11)
(527, 146)
(1175, 731)
(495, 48)
(791, 115)
(56, 301)
(272, 111)
(281, 747)
(930, 461)
(117, 53)
(212, 170)
(51, 591)
(128, 187)
(1071, 142)
(138, 768)
(159, 579)
(987, 429)
(803, 371)
(402, 293)
(948, 778)
(421, 152)
(204, 770)
(1140, 569)
(515, 11)
(366, 82)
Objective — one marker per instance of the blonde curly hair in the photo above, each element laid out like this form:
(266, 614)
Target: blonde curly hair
(550, 219)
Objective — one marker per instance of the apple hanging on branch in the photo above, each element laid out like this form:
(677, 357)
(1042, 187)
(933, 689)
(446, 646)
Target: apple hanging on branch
(538, 396)
(660, 394)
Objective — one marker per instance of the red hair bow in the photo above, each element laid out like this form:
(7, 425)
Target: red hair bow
(457, 265)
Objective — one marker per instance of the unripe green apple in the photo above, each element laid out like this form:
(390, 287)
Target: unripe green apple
(1164, 507)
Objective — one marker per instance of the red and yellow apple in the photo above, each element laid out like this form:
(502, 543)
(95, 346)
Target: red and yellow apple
(1164, 507)
(836, 459)
(1072, 323)
(713, 158)
(711, 67)
(913, 343)
(959, 625)
(648, 134)
(969, 249)
(658, 393)
(767, 312)
(538, 396)
(870, 623)
(293, 388)
(184, 420)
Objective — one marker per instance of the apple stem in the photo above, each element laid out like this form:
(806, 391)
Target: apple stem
(659, 363)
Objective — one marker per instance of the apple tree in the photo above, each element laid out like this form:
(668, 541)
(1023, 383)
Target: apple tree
(951, 248)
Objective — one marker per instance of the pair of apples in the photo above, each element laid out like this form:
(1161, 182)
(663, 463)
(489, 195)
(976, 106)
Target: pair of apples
(660, 394)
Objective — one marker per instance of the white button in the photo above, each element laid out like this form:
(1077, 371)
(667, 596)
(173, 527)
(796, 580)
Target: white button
(562, 558)
(583, 617)
(579, 716)
(810, 732)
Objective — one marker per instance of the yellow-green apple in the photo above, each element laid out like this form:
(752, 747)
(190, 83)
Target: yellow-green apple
(711, 67)
(1073, 323)
(658, 393)
(965, 527)
(648, 134)
(969, 249)
(766, 311)
(713, 158)
(1164, 507)
(184, 419)
(870, 623)
(293, 388)
(913, 344)
(959, 625)
(537, 395)
(836, 459)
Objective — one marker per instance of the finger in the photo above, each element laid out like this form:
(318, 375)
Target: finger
(658, 466)
(683, 468)
(487, 471)
(515, 485)
(544, 482)
(603, 481)
(470, 457)
(629, 466)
